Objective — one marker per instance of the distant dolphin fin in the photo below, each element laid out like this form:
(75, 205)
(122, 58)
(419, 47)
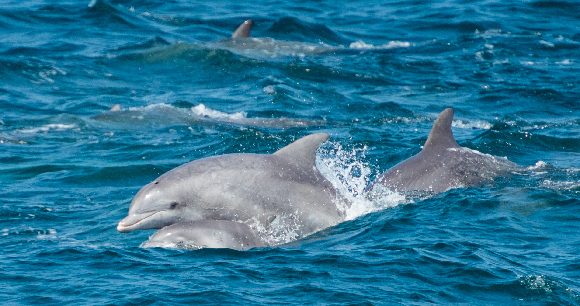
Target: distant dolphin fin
(115, 108)
(441, 135)
(303, 150)
(244, 29)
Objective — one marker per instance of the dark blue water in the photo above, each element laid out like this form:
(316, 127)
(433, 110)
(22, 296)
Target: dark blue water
(375, 79)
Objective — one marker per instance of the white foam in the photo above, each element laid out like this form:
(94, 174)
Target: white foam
(151, 107)
(266, 47)
(540, 166)
(501, 62)
(44, 75)
(399, 119)
(47, 234)
(48, 127)
(491, 33)
(203, 111)
(549, 285)
(361, 45)
(480, 125)
(560, 185)
(281, 230)
(565, 62)
(269, 90)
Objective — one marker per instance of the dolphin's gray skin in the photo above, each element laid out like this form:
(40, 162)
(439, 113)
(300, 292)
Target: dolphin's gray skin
(206, 234)
(442, 164)
(244, 29)
(282, 196)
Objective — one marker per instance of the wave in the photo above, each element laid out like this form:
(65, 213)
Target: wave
(32, 70)
(361, 45)
(166, 114)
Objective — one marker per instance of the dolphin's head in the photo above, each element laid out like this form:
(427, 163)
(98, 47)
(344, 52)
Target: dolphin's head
(158, 204)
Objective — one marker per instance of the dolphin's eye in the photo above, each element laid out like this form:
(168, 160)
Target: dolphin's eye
(173, 205)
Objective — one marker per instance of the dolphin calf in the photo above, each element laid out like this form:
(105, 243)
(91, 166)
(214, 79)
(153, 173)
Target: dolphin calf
(442, 164)
(206, 234)
(279, 197)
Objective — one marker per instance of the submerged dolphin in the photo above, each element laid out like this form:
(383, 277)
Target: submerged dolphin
(260, 47)
(279, 197)
(165, 114)
(442, 164)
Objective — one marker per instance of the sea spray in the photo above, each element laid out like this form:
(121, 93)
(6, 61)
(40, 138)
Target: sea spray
(350, 175)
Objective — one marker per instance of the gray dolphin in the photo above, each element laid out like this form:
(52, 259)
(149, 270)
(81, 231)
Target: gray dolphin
(265, 47)
(206, 234)
(442, 164)
(280, 196)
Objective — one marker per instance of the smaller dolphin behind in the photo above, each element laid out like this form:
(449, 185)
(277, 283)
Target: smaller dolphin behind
(442, 164)
(216, 234)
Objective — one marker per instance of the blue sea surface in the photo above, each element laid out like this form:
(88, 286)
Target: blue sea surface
(373, 75)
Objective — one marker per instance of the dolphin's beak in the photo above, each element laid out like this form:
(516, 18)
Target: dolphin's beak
(123, 228)
(141, 221)
(133, 222)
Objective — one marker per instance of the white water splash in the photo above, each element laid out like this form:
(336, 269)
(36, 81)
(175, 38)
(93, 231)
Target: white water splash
(561, 185)
(540, 167)
(361, 45)
(350, 175)
(48, 127)
(282, 229)
(203, 111)
(479, 125)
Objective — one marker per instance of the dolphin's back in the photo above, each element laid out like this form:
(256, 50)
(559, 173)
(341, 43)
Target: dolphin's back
(442, 164)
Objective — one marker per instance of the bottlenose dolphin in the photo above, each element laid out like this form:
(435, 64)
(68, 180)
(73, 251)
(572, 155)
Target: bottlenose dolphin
(206, 234)
(442, 164)
(260, 47)
(280, 196)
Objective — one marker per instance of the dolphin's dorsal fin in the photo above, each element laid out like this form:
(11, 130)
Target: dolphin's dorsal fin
(303, 150)
(244, 29)
(441, 135)
(115, 108)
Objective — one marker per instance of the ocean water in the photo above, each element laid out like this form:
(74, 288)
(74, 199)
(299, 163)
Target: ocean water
(372, 75)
